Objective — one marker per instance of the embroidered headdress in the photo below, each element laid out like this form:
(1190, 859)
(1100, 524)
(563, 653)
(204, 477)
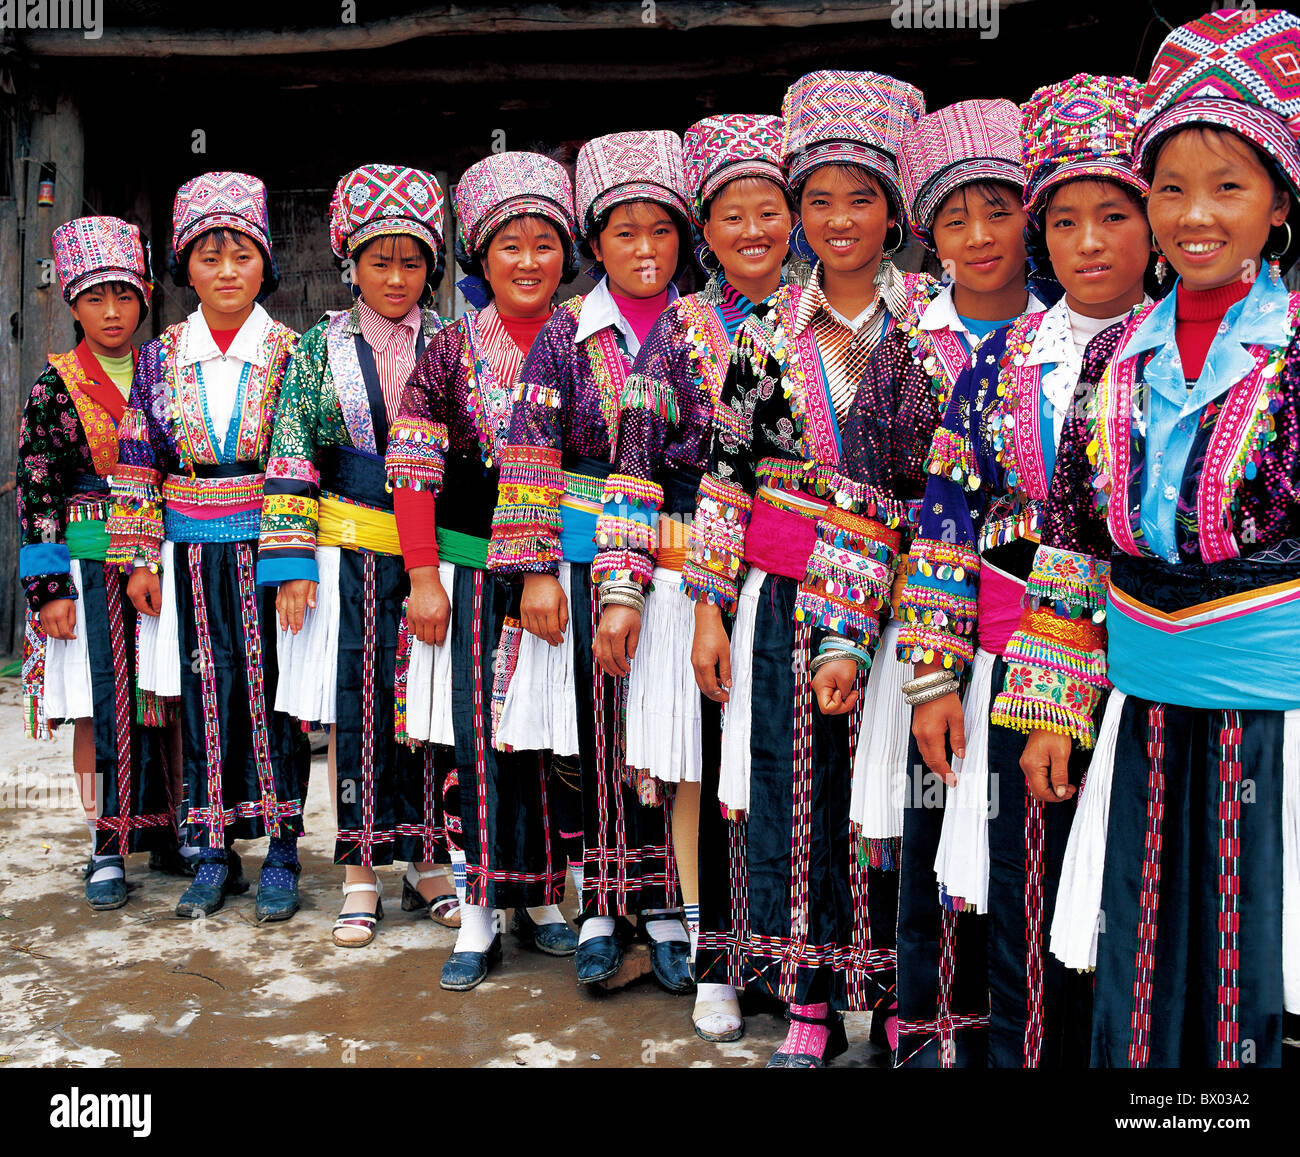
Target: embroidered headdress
(622, 167)
(92, 250)
(385, 200)
(506, 185)
(719, 149)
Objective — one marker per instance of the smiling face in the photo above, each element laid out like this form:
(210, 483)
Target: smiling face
(108, 315)
(846, 215)
(638, 248)
(523, 264)
(391, 272)
(1096, 233)
(1212, 204)
(978, 233)
(748, 229)
(225, 268)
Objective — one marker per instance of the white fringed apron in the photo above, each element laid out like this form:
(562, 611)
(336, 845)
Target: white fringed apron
(428, 680)
(1078, 899)
(309, 660)
(737, 717)
(663, 701)
(880, 763)
(540, 712)
(961, 862)
(68, 692)
(158, 663)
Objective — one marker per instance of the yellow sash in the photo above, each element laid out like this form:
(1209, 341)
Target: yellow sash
(357, 527)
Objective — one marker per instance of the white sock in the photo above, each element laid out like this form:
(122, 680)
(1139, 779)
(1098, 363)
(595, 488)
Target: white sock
(458, 877)
(575, 870)
(107, 872)
(477, 928)
(705, 992)
(546, 914)
(94, 832)
(692, 912)
(595, 926)
(665, 924)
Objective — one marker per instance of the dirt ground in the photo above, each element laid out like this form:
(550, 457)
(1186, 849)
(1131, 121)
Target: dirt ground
(138, 987)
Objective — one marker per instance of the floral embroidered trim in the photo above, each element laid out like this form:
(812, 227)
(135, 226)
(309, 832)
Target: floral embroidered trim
(295, 469)
(850, 573)
(1039, 700)
(1074, 647)
(1073, 583)
(416, 454)
(134, 525)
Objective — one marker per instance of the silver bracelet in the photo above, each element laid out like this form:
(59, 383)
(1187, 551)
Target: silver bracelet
(823, 657)
(636, 603)
(931, 693)
(933, 679)
(620, 586)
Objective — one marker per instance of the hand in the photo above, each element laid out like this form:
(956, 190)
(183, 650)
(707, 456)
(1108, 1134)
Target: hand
(428, 610)
(616, 639)
(938, 726)
(145, 591)
(711, 653)
(1046, 764)
(59, 619)
(291, 602)
(544, 611)
(836, 686)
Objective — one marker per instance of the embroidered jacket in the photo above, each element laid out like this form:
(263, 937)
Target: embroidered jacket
(776, 440)
(566, 403)
(167, 432)
(989, 467)
(324, 402)
(67, 448)
(1150, 468)
(665, 423)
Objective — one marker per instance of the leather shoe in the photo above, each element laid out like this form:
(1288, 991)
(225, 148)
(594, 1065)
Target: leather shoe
(466, 970)
(170, 861)
(552, 939)
(107, 894)
(274, 903)
(671, 961)
(205, 899)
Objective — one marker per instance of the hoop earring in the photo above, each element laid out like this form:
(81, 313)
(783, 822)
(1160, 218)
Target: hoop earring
(902, 237)
(1274, 259)
(1162, 264)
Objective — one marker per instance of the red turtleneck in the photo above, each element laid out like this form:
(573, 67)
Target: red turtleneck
(523, 331)
(1198, 313)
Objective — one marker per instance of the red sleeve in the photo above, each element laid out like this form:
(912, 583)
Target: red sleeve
(416, 526)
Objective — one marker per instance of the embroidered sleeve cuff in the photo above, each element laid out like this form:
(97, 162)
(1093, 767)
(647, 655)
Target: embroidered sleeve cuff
(627, 529)
(1075, 584)
(417, 450)
(717, 543)
(526, 523)
(1036, 699)
(937, 607)
(135, 524)
(1073, 647)
(45, 588)
(271, 572)
(849, 575)
(865, 499)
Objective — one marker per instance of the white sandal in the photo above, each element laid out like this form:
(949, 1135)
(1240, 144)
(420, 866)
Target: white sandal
(363, 920)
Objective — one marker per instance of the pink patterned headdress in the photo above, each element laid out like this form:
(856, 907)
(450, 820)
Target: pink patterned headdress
(1236, 69)
(506, 185)
(719, 149)
(385, 200)
(856, 118)
(622, 167)
(973, 140)
(220, 201)
(92, 250)
(1081, 127)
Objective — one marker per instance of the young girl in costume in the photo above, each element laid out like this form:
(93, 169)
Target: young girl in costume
(740, 201)
(990, 467)
(813, 933)
(632, 210)
(81, 628)
(961, 171)
(514, 216)
(1168, 570)
(329, 539)
(194, 445)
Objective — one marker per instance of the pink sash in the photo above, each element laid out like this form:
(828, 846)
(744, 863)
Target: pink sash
(781, 540)
(998, 608)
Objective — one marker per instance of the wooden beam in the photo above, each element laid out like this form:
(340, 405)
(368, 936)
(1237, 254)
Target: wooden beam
(450, 20)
